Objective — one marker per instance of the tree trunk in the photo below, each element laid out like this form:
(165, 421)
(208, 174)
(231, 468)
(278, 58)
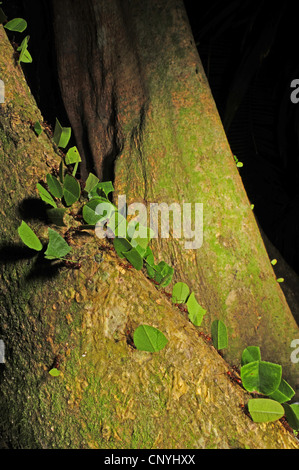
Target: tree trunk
(142, 112)
(108, 394)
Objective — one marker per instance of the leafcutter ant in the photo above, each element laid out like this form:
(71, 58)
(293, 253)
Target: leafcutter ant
(72, 264)
(56, 362)
(233, 377)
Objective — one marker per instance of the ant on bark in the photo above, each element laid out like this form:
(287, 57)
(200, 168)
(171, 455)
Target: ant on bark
(72, 264)
(129, 339)
(233, 377)
(56, 362)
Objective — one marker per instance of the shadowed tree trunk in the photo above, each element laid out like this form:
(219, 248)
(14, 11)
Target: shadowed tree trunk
(108, 394)
(142, 112)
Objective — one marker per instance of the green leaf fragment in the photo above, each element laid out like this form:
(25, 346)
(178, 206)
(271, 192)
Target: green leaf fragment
(149, 257)
(284, 392)
(148, 338)
(3, 16)
(29, 237)
(134, 258)
(292, 415)
(96, 209)
(25, 56)
(37, 128)
(91, 182)
(219, 335)
(180, 293)
(161, 273)
(106, 187)
(195, 311)
(121, 245)
(250, 354)
(72, 156)
(54, 186)
(46, 196)
(141, 240)
(57, 246)
(17, 24)
(261, 376)
(264, 410)
(71, 190)
(168, 277)
(61, 135)
(54, 372)
(101, 189)
(24, 53)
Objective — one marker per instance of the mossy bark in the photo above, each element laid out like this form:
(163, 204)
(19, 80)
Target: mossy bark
(168, 145)
(108, 394)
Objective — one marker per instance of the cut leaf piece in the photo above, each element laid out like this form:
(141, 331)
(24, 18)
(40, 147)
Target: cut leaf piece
(46, 196)
(141, 242)
(134, 258)
(3, 16)
(37, 128)
(96, 209)
(29, 238)
(261, 376)
(292, 415)
(121, 245)
(180, 293)
(195, 311)
(149, 257)
(72, 156)
(25, 56)
(167, 277)
(24, 53)
(91, 182)
(148, 338)
(71, 190)
(101, 189)
(54, 186)
(54, 372)
(283, 393)
(17, 24)
(57, 246)
(61, 135)
(219, 335)
(106, 187)
(162, 273)
(251, 354)
(264, 410)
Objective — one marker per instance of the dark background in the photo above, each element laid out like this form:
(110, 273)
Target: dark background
(250, 56)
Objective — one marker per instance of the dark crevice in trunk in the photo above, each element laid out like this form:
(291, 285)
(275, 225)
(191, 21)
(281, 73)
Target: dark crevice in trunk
(116, 141)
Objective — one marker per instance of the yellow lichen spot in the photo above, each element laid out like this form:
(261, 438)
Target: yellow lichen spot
(69, 318)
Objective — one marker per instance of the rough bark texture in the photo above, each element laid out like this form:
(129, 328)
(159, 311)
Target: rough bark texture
(108, 395)
(146, 110)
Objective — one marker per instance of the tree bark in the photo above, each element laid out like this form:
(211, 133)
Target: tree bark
(108, 394)
(143, 113)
